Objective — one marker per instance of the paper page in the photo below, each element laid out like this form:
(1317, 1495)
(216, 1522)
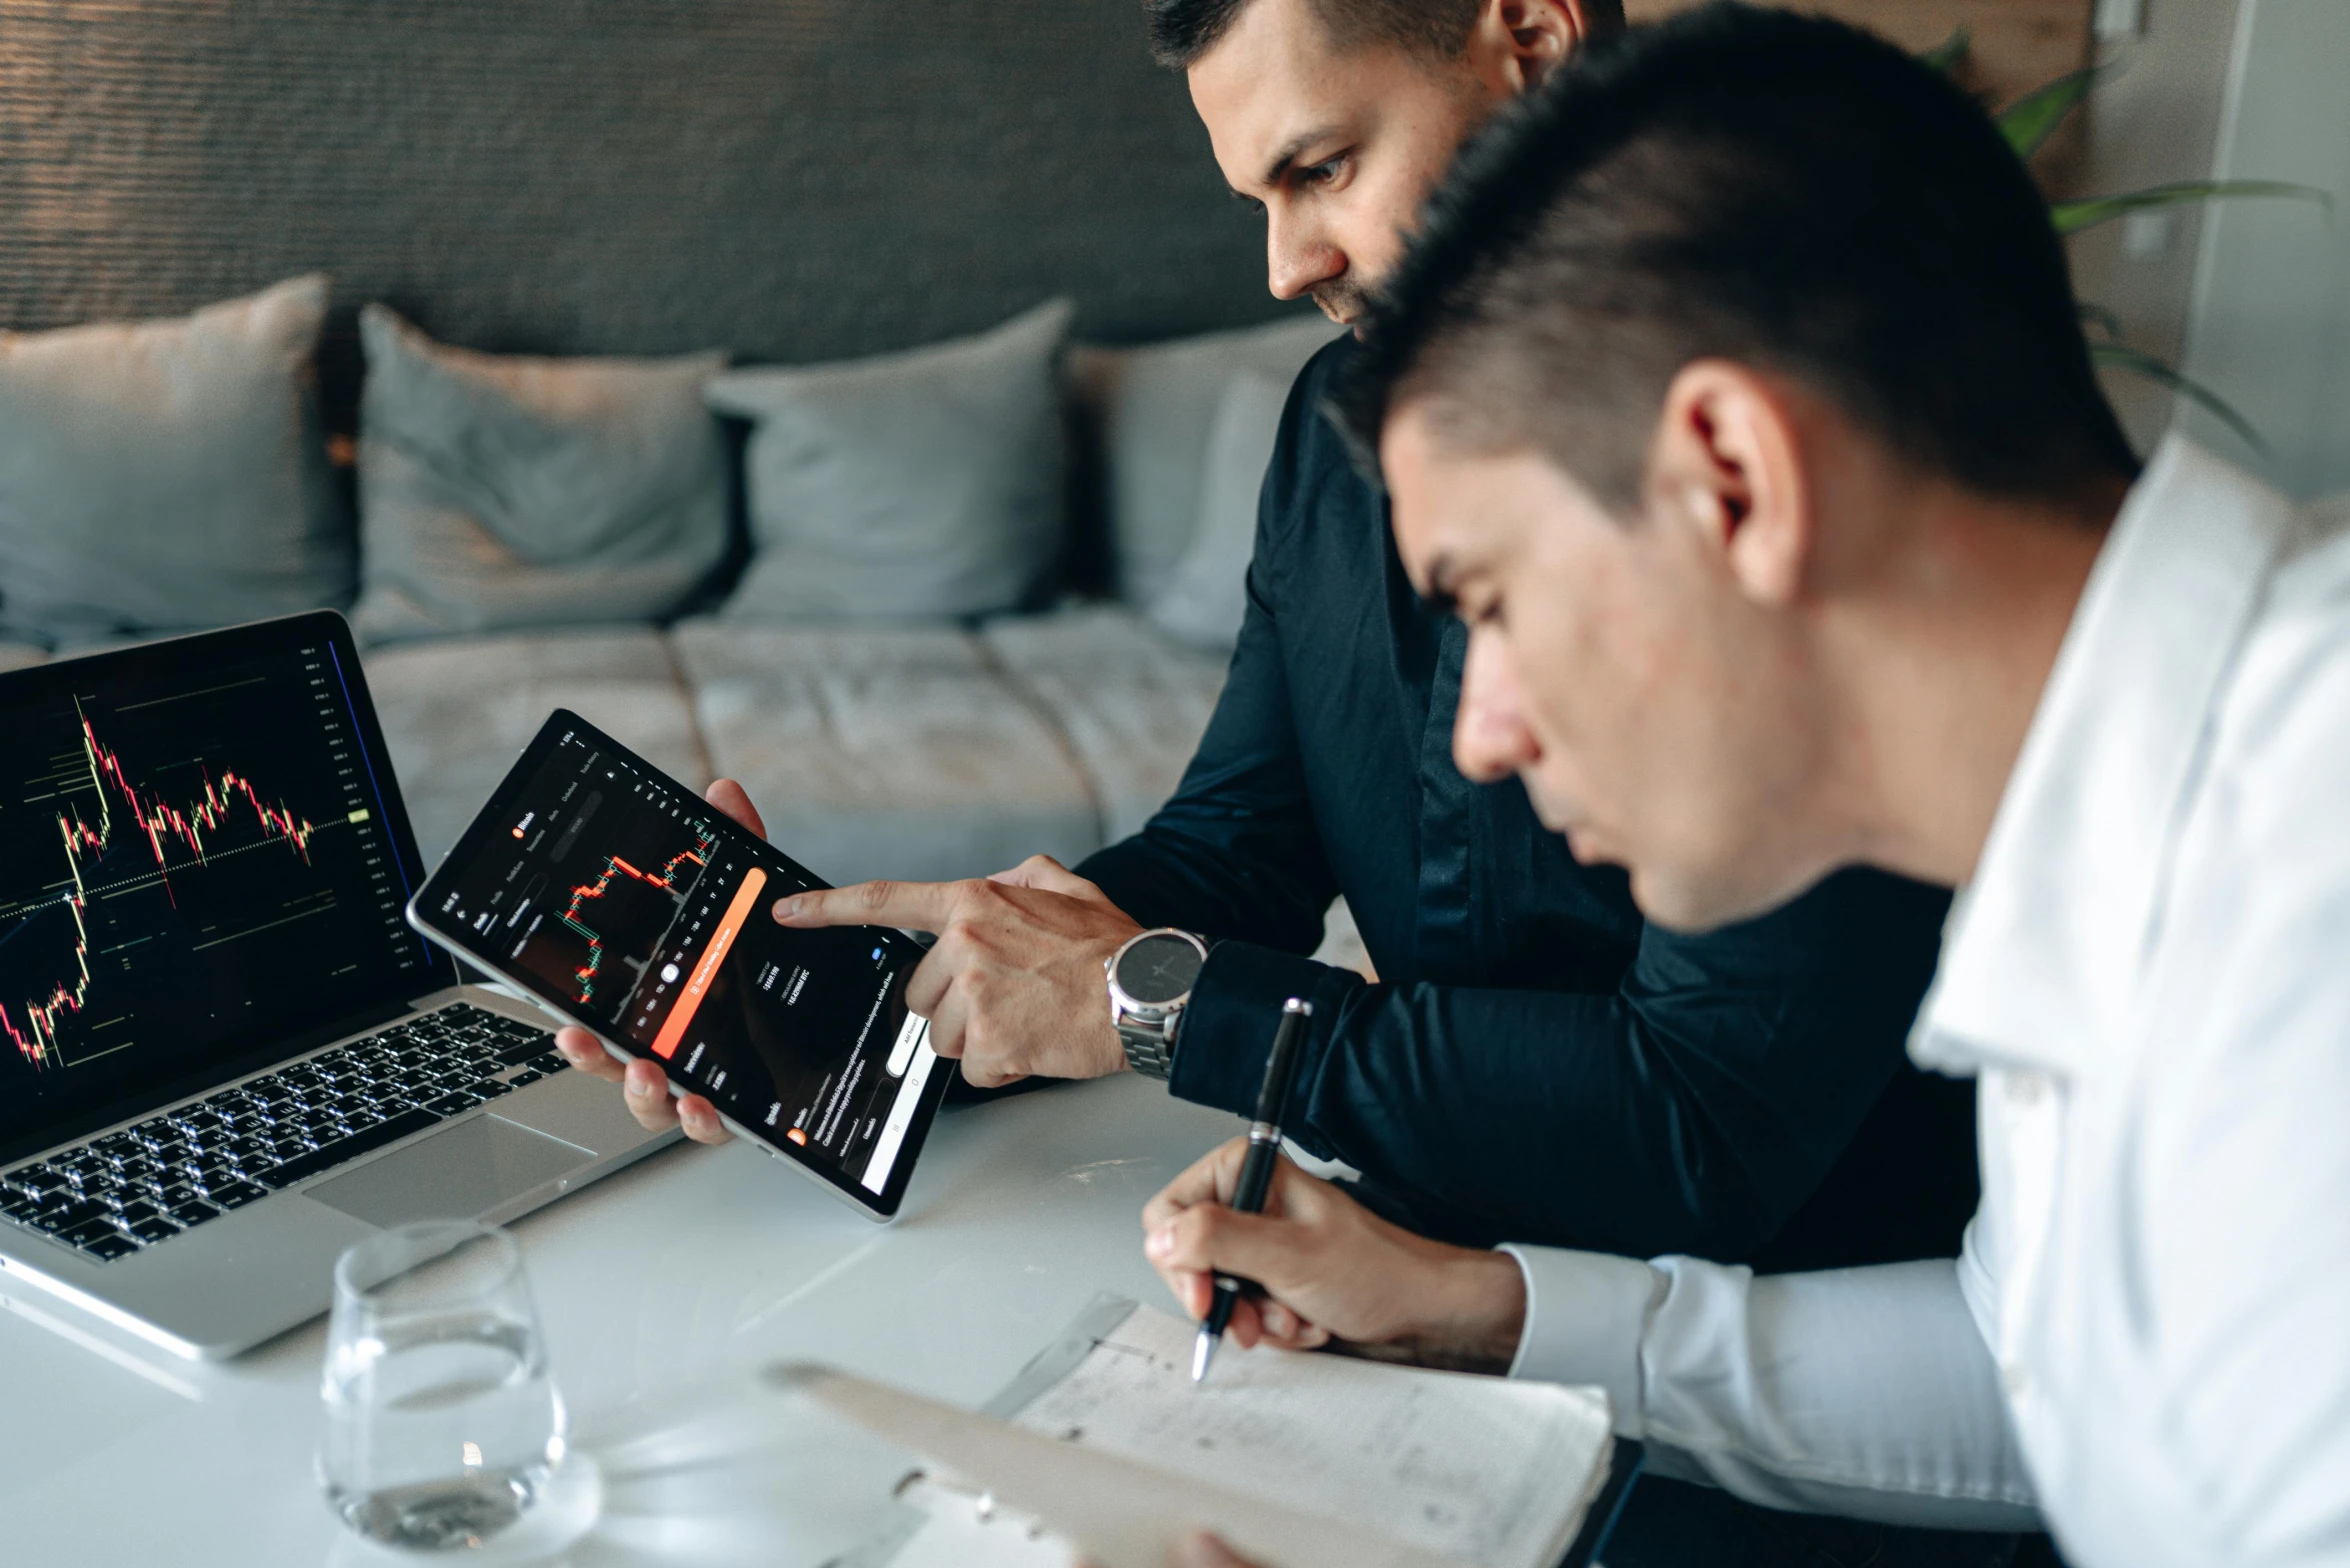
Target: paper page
(1473, 1468)
(1125, 1512)
(953, 1534)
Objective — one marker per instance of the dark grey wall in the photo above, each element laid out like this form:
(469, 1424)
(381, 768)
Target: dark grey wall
(790, 179)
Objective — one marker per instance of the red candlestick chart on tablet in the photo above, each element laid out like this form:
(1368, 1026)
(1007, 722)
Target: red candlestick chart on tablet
(671, 879)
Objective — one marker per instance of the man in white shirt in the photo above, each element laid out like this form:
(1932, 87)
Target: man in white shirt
(1837, 558)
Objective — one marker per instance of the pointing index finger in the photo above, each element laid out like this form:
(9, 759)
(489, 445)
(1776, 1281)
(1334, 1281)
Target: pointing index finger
(914, 906)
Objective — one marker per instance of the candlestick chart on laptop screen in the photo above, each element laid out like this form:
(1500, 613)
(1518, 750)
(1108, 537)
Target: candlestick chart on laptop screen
(194, 859)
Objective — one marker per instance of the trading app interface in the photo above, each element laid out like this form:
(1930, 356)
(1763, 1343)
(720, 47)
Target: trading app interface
(617, 896)
(194, 859)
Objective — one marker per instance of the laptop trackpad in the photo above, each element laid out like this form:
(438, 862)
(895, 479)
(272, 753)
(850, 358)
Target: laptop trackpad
(466, 1171)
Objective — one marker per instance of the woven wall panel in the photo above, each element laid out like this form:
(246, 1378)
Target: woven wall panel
(786, 178)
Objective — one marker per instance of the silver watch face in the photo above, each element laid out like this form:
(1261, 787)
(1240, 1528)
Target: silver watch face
(1158, 970)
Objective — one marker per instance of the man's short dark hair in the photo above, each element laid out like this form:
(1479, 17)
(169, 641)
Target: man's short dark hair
(1780, 191)
(1183, 30)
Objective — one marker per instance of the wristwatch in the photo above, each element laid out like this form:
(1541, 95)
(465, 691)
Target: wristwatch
(1150, 980)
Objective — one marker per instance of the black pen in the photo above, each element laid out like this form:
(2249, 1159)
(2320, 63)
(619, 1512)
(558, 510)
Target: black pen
(1256, 1172)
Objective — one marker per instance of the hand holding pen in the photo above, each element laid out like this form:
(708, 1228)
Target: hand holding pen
(1256, 1173)
(1241, 1218)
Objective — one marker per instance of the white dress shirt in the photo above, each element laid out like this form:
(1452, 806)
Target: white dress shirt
(2148, 1333)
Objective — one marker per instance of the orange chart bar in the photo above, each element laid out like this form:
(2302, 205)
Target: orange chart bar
(697, 985)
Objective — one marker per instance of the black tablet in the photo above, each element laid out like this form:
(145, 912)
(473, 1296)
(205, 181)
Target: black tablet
(626, 903)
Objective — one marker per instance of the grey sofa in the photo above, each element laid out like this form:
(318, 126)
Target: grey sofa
(923, 752)
(928, 751)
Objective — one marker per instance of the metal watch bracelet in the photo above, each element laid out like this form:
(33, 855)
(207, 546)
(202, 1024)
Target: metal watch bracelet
(1147, 1017)
(1150, 1050)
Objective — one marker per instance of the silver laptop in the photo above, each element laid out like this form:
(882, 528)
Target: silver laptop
(224, 1056)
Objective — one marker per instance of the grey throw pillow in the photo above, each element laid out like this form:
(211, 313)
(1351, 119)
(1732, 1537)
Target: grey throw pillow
(165, 475)
(1207, 593)
(500, 491)
(913, 486)
(1155, 405)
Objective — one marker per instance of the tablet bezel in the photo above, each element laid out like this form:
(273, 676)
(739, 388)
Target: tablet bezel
(489, 822)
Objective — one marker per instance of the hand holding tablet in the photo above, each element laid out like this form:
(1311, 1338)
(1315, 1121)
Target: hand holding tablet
(646, 1089)
(625, 904)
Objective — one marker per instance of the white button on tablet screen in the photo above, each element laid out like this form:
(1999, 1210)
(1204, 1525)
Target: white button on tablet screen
(911, 1033)
(901, 1116)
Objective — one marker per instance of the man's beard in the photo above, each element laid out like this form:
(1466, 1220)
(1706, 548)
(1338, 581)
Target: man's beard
(1342, 300)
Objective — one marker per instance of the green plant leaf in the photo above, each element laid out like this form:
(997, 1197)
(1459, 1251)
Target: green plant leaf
(2088, 211)
(1945, 56)
(2140, 363)
(2028, 122)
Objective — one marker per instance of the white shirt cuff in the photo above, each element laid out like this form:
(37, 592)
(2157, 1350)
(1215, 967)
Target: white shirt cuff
(1585, 1315)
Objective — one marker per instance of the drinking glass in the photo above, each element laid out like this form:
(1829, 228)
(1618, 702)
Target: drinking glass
(442, 1423)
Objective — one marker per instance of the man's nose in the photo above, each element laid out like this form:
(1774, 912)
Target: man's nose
(1297, 259)
(1490, 736)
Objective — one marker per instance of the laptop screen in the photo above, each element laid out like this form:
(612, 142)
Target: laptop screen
(203, 859)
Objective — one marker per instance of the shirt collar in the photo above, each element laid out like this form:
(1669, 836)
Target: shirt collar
(2047, 937)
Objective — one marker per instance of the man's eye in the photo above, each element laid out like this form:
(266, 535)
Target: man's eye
(1321, 173)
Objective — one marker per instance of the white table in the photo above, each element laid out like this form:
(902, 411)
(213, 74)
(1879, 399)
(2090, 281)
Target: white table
(659, 1288)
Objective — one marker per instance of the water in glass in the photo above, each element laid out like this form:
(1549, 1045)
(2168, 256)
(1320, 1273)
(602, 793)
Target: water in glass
(442, 1424)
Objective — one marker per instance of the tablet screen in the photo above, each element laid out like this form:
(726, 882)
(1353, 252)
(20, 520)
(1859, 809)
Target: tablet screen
(632, 906)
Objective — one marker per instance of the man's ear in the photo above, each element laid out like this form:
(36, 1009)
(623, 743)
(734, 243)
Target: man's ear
(1514, 44)
(1727, 461)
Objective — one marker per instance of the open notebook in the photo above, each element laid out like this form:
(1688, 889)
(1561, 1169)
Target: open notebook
(1104, 1443)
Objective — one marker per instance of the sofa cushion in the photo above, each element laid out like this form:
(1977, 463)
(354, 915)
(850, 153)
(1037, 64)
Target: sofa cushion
(1155, 406)
(502, 491)
(878, 752)
(1206, 595)
(1131, 701)
(168, 475)
(456, 712)
(915, 486)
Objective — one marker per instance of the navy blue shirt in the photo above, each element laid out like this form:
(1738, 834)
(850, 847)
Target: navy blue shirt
(1536, 1062)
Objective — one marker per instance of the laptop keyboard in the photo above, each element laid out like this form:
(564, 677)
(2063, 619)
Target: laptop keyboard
(146, 1184)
